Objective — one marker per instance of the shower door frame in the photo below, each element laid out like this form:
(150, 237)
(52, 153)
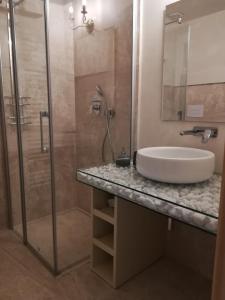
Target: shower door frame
(5, 151)
(13, 61)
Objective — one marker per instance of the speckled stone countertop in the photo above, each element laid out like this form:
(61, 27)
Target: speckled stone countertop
(195, 204)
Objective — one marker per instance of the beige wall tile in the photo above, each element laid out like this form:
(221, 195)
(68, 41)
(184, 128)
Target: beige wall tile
(3, 205)
(103, 58)
(95, 53)
(212, 97)
(191, 247)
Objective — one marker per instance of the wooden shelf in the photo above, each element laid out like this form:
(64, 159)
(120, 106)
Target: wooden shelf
(105, 271)
(106, 243)
(120, 248)
(106, 214)
(102, 264)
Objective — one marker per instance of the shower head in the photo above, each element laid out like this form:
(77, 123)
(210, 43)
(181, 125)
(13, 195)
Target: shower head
(175, 18)
(99, 90)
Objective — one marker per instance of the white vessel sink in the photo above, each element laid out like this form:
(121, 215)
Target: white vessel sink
(175, 164)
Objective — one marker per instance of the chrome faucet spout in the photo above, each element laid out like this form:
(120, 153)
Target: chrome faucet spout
(187, 132)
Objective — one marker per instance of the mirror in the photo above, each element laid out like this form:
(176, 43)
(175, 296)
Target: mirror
(194, 61)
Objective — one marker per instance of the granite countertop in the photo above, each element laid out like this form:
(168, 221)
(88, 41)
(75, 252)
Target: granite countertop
(195, 204)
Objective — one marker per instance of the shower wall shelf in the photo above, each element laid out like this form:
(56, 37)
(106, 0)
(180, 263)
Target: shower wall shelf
(22, 105)
(119, 251)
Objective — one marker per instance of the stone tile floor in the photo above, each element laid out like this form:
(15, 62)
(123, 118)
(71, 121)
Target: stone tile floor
(22, 277)
(73, 237)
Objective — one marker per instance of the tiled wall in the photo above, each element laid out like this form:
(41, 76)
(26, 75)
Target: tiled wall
(32, 82)
(185, 243)
(79, 61)
(152, 131)
(30, 42)
(174, 100)
(2, 194)
(211, 96)
(192, 247)
(3, 205)
(102, 58)
(63, 100)
(12, 145)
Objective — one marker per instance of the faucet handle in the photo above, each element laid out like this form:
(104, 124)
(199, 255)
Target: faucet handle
(205, 132)
(213, 131)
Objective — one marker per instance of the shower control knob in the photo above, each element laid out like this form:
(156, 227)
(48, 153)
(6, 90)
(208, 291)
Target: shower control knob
(45, 149)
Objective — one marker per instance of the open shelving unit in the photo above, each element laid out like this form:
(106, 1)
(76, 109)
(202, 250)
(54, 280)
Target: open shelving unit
(126, 238)
(103, 235)
(103, 264)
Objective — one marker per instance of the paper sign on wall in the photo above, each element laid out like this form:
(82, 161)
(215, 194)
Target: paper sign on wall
(195, 111)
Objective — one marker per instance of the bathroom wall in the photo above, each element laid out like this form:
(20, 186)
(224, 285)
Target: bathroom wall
(152, 131)
(185, 243)
(3, 204)
(3, 212)
(192, 247)
(12, 140)
(103, 58)
(184, 65)
(63, 101)
(30, 46)
(32, 81)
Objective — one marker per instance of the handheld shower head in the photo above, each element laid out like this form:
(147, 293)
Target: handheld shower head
(99, 90)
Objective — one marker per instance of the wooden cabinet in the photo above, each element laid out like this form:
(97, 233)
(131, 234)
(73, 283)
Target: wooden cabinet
(126, 238)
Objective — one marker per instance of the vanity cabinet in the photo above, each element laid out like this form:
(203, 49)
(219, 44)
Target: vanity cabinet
(126, 238)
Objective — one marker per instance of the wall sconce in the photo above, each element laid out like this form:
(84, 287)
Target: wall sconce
(88, 23)
(71, 13)
(175, 18)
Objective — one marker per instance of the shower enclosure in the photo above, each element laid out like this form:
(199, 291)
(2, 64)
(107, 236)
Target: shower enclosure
(26, 102)
(47, 125)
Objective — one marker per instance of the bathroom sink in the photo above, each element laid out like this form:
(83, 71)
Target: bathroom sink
(175, 164)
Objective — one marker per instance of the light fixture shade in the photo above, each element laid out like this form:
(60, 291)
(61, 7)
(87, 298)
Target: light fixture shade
(71, 10)
(84, 2)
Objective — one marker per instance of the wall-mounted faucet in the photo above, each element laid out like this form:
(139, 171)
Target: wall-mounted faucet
(204, 132)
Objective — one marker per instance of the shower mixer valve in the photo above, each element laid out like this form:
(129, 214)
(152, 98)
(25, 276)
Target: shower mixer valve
(96, 105)
(99, 104)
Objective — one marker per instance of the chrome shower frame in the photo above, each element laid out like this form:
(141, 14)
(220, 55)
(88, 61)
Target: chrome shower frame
(15, 82)
(135, 73)
(5, 150)
(13, 62)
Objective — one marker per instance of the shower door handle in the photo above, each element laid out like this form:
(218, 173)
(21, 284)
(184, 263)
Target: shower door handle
(43, 114)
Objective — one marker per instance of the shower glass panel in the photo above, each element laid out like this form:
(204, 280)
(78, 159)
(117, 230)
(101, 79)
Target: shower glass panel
(8, 109)
(56, 208)
(30, 50)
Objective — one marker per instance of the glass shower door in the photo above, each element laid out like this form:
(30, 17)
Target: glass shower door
(9, 134)
(32, 119)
